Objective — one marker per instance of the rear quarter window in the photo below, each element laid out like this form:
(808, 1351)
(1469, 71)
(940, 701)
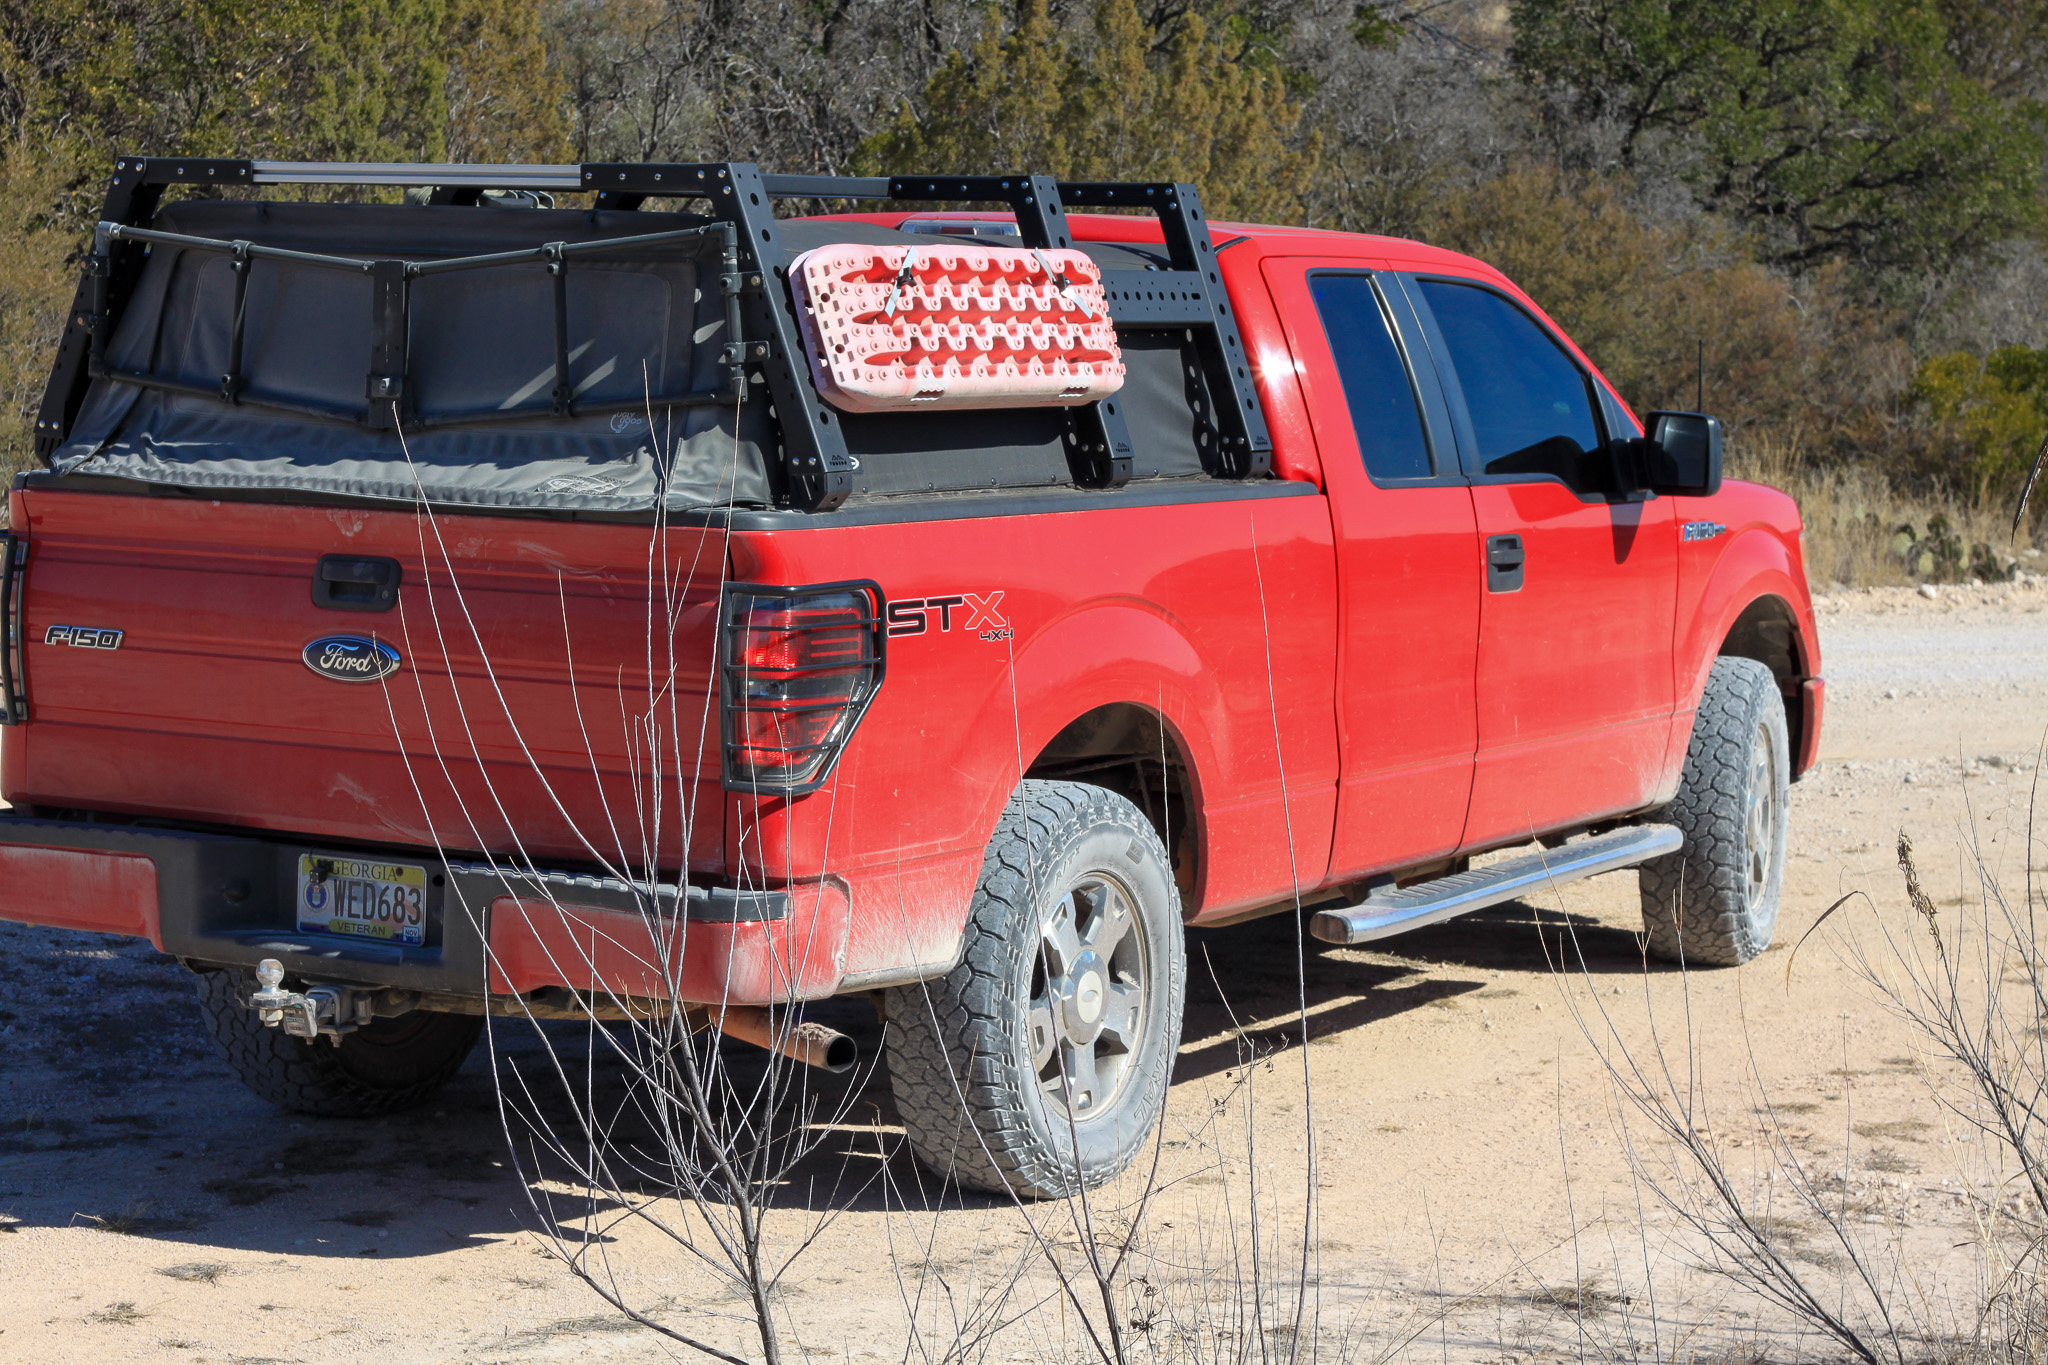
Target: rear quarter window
(1377, 386)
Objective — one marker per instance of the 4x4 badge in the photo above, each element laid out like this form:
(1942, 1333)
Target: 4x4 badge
(351, 658)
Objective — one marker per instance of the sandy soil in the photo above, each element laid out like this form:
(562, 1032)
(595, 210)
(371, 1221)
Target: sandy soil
(1475, 1197)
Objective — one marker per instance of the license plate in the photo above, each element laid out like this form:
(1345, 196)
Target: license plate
(363, 899)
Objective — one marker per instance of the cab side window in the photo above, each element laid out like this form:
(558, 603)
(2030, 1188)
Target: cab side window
(1377, 389)
(1530, 406)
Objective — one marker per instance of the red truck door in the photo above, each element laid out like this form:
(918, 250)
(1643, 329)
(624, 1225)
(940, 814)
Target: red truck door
(1574, 662)
(1407, 546)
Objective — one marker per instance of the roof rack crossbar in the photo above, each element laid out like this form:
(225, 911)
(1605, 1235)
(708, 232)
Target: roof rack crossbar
(827, 186)
(409, 173)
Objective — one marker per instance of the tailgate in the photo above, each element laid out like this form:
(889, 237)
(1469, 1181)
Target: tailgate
(552, 696)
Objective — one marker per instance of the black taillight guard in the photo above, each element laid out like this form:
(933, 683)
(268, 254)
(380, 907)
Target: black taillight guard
(816, 669)
(13, 643)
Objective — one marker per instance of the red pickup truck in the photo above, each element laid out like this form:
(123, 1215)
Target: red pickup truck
(471, 605)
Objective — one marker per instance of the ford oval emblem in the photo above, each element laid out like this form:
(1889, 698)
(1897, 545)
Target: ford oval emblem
(351, 658)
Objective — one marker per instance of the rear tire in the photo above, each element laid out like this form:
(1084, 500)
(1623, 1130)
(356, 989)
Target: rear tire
(1071, 985)
(1715, 902)
(381, 1068)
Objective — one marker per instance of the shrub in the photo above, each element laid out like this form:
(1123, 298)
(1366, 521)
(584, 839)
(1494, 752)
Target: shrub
(1989, 414)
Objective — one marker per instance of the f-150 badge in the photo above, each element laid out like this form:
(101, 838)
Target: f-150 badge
(83, 637)
(351, 658)
(1702, 530)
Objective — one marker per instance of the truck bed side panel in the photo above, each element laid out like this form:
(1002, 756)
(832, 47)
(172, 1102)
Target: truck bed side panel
(1055, 614)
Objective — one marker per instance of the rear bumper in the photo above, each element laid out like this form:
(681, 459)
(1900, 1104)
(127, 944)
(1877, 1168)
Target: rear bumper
(231, 900)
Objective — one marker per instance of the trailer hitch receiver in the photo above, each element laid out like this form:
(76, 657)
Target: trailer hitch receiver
(317, 1012)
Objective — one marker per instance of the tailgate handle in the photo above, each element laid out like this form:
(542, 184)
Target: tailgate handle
(1504, 563)
(355, 583)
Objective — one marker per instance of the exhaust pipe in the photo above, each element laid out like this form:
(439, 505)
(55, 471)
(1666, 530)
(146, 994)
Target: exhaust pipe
(809, 1043)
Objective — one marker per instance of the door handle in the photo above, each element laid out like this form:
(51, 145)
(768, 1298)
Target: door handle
(1504, 559)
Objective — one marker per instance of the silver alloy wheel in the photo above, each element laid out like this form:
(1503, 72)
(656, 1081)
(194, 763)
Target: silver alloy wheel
(1087, 1002)
(1760, 825)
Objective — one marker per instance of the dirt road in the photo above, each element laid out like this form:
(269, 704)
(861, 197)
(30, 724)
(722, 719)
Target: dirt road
(1475, 1197)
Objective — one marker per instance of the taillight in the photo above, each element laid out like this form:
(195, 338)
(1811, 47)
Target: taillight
(797, 669)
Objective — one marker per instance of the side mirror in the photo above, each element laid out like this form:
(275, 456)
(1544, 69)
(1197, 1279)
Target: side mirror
(1684, 454)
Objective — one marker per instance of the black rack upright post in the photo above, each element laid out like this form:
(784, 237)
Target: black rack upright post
(133, 193)
(817, 470)
(1191, 295)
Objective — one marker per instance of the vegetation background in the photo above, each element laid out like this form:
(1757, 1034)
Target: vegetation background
(1829, 214)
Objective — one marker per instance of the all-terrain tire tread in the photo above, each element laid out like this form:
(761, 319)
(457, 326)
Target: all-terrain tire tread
(1694, 901)
(960, 1098)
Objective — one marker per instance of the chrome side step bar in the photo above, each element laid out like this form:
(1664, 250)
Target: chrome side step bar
(1386, 913)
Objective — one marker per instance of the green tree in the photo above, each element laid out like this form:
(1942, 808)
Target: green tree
(1111, 103)
(1844, 126)
(997, 105)
(36, 283)
(1990, 413)
(1654, 304)
(369, 82)
(2003, 44)
(377, 80)
(506, 99)
(131, 75)
(307, 79)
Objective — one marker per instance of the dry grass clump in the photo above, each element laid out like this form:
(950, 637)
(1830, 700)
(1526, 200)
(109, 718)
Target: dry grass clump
(1863, 530)
(118, 1314)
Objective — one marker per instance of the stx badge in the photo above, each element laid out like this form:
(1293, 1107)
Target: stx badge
(83, 637)
(973, 612)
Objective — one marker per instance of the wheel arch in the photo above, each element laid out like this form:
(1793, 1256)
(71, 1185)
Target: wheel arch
(1138, 752)
(1754, 605)
(1086, 694)
(1767, 630)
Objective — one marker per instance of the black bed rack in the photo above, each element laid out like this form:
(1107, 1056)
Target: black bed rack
(818, 472)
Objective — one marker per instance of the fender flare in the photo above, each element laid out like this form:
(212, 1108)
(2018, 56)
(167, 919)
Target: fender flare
(1062, 672)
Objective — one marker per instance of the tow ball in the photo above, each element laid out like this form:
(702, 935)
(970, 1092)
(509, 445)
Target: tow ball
(318, 1012)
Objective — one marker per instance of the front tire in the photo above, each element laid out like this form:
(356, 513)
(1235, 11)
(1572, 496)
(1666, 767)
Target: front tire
(383, 1067)
(1715, 902)
(1038, 1066)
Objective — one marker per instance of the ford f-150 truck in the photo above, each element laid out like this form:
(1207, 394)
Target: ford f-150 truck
(470, 605)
